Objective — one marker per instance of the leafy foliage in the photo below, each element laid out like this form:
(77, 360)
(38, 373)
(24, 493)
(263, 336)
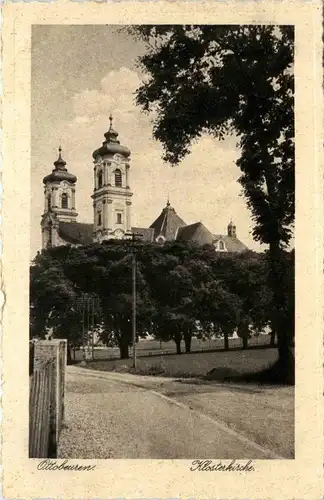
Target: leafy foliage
(182, 291)
(238, 80)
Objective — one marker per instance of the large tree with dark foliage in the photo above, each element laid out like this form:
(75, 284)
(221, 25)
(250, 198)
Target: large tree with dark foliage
(179, 286)
(53, 302)
(233, 80)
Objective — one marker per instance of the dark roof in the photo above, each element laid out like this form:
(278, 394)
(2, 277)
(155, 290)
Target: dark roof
(147, 233)
(76, 233)
(111, 145)
(167, 223)
(197, 233)
(232, 243)
(60, 173)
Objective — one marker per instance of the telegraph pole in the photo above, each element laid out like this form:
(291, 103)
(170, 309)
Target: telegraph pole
(88, 333)
(92, 337)
(83, 326)
(134, 305)
(134, 297)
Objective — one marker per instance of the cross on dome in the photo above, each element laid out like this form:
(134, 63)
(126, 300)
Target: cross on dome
(60, 163)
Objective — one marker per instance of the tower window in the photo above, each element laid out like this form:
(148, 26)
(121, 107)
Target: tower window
(118, 178)
(99, 221)
(64, 201)
(221, 245)
(100, 180)
(49, 204)
(119, 219)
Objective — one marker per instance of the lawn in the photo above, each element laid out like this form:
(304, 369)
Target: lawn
(235, 362)
(147, 347)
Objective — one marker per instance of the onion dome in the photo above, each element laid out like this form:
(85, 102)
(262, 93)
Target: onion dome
(60, 172)
(111, 145)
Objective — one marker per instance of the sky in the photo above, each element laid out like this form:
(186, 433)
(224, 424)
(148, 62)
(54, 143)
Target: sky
(81, 74)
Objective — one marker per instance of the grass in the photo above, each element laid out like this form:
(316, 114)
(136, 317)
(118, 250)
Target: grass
(216, 365)
(153, 347)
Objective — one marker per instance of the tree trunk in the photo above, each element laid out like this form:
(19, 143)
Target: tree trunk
(281, 322)
(69, 355)
(226, 342)
(123, 347)
(187, 340)
(177, 340)
(272, 338)
(245, 341)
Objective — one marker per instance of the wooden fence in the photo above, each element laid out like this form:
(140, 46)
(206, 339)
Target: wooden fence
(41, 402)
(46, 397)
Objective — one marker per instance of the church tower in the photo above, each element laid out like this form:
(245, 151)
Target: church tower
(111, 194)
(59, 201)
(231, 230)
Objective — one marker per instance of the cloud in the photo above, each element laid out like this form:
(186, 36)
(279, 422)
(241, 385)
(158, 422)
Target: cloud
(116, 95)
(203, 187)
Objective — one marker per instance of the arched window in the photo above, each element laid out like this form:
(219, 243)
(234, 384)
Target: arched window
(118, 178)
(119, 218)
(49, 204)
(64, 201)
(160, 239)
(99, 218)
(221, 245)
(100, 180)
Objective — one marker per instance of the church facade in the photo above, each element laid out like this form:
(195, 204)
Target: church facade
(112, 207)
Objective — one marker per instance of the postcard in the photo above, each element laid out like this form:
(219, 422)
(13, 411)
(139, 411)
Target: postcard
(162, 250)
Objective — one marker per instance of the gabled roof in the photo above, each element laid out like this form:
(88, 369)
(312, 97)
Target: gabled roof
(196, 233)
(76, 233)
(232, 243)
(147, 233)
(167, 223)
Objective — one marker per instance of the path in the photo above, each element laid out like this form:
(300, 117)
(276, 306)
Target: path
(123, 416)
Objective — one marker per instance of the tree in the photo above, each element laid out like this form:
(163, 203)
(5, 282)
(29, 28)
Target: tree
(52, 301)
(233, 80)
(106, 270)
(248, 279)
(220, 307)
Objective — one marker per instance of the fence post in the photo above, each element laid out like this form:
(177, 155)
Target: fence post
(56, 351)
(31, 357)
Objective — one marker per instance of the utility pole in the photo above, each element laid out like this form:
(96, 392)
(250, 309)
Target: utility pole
(134, 306)
(92, 337)
(88, 332)
(83, 326)
(134, 297)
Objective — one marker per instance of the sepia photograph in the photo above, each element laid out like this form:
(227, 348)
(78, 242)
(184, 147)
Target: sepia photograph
(162, 256)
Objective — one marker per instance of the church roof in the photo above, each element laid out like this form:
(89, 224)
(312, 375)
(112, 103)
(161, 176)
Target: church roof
(147, 233)
(76, 233)
(167, 223)
(232, 243)
(196, 233)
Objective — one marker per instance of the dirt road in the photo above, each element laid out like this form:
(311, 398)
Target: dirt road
(125, 416)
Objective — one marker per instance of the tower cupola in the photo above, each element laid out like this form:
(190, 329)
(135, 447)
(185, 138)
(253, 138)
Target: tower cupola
(111, 192)
(111, 145)
(59, 201)
(231, 230)
(60, 172)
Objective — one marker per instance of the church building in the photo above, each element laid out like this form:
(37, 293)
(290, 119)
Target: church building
(112, 207)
